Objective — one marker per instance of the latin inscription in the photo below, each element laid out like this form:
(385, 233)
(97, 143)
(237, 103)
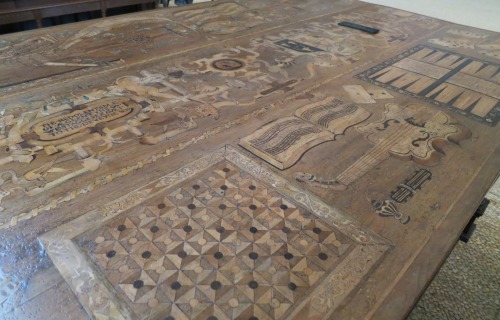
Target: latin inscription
(95, 113)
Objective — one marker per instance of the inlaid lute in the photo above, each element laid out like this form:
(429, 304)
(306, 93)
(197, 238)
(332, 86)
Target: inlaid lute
(411, 132)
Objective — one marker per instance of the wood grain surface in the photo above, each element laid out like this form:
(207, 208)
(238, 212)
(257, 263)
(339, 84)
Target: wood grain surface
(392, 137)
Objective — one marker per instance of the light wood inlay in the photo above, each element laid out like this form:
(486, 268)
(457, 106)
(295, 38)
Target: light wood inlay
(104, 117)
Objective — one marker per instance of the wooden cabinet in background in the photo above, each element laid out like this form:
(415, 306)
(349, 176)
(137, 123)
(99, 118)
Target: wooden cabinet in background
(24, 10)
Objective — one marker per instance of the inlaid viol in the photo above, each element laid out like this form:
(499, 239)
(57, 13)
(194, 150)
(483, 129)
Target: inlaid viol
(409, 133)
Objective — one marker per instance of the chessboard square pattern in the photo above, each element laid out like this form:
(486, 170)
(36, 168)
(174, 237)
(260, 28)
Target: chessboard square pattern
(222, 244)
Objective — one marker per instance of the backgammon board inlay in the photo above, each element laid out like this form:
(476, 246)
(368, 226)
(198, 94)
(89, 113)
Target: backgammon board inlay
(453, 81)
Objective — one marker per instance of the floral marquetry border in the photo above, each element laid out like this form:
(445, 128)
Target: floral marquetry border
(100, 299)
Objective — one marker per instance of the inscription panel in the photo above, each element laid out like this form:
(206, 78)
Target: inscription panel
(94, 113)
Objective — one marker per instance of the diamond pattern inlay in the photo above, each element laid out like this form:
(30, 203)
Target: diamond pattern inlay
(222, 244)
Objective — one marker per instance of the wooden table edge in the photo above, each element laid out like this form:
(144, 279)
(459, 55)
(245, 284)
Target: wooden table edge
(413, 282)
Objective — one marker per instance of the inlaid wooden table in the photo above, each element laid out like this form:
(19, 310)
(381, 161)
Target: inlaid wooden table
(240, 160)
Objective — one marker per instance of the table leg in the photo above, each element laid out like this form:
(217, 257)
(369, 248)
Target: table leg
(103, 8)
(38, 18)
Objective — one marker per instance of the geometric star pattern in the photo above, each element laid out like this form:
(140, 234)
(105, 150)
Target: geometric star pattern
(221, 246)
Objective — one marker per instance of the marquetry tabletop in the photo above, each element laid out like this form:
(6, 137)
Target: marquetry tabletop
(240, 160)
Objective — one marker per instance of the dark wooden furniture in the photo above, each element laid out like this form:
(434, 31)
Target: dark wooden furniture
(240, 159)
(166, 3)
(26, 10)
